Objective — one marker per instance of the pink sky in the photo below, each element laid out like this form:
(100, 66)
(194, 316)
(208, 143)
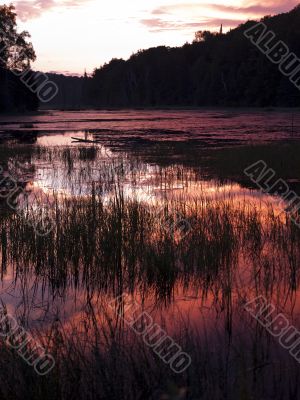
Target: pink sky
(71, 35)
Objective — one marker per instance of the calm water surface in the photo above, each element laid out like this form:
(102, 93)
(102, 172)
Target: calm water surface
(192, 160)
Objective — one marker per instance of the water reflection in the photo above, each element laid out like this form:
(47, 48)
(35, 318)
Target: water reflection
(113, 206)
(112, 211)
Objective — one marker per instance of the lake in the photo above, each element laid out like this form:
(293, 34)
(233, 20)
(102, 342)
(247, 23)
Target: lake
(148, 216)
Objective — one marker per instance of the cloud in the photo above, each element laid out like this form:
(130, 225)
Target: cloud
(270, 6)
(160, 25)
(257, 8)
(246, 8)
(212, 15)
(28, 9)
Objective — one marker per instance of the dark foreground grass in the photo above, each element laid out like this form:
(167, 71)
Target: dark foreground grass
(119, 244)
(106, 363)
(105, 248)
(106, 242)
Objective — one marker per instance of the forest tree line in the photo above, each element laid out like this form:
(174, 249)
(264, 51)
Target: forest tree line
(215, 70)
(16, 54)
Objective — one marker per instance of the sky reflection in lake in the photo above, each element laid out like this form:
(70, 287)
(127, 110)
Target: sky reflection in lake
(112, 202)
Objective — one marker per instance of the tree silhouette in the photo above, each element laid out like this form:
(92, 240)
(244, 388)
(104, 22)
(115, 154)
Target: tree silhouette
(15, 51)
(204, 36)
(216, 69)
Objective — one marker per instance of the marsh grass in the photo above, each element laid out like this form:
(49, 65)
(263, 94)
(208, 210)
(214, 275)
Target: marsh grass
(97, 359)
(108, 240)
(122, 242)
(102, 246)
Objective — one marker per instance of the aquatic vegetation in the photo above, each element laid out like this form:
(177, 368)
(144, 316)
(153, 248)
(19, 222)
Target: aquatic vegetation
(116, 231)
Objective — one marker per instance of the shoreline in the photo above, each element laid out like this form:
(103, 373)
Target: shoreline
(43, 112)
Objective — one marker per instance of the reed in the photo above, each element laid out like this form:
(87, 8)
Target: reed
(116, 230)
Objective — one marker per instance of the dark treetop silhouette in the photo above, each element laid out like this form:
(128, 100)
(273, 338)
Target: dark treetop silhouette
(215, 70)
(15, 56)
